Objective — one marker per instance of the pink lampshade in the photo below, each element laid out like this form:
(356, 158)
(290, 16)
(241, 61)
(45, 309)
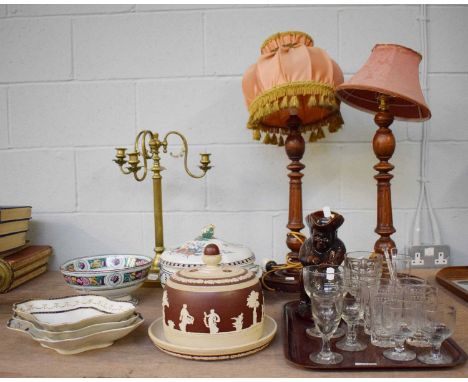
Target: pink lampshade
(391, 70)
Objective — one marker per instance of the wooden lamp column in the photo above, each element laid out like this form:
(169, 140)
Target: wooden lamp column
(384, 147)
(289, 279)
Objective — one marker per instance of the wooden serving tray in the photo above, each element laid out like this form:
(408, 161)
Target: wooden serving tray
(298, 345)
(448, 278)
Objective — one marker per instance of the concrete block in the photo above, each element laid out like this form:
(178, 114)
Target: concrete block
(43, 179)
(102, 187)
(219, 116)
(357, 232)
(178, 7)
(35, 49)
(447, 104)
(251, 229)
(138, 45)
(83, 114)
(4, 140)
(447, 34)
(363, 27)
(78, 235)
(452, 224)
(234, 37)
(248, 178)
(65, 9)
(359, 189)
(448, 174)
(321, 185)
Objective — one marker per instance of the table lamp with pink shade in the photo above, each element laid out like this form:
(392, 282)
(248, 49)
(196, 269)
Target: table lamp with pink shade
(387, 86)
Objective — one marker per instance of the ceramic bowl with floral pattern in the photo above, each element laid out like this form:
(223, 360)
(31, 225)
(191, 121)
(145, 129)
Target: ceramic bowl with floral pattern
(113, 276)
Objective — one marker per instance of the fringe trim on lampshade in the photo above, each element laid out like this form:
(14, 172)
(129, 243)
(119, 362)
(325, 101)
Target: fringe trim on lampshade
(287, 96)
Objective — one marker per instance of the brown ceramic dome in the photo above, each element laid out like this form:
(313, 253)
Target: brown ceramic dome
(213, 305)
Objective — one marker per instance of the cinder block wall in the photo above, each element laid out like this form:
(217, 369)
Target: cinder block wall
(78, 80)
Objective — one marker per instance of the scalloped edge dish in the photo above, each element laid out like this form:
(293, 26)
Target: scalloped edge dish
(97, 340)
(72, 312)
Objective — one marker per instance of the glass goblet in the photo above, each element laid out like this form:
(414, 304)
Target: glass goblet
(352, 312)
(322, 277)
(327, 307)
(403, 321)
(438, 325)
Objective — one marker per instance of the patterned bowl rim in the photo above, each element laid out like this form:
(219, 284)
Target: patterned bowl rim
(105, 271)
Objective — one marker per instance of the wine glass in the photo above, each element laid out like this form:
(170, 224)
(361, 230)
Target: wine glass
(327, 307)
(402, 319)
(322, 277)
(352, 312)
(438, 325)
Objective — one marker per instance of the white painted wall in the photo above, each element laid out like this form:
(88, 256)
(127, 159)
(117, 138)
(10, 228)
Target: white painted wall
(78, 80)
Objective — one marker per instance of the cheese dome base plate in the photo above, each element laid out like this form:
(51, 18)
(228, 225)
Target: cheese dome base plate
(156, 333)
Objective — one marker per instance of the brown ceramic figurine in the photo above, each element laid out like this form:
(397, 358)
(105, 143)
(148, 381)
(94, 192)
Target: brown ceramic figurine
(322, 247)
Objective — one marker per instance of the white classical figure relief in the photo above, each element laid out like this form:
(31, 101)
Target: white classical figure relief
(211, 321)
(165, 302)
(171, 324)
(238, 322)
(185, 318)
(253, 303)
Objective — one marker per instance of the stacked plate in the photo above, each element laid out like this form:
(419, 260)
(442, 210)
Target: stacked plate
(75, 324)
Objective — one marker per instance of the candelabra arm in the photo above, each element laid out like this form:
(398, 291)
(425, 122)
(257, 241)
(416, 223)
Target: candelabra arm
(184, 142)
(140, 142)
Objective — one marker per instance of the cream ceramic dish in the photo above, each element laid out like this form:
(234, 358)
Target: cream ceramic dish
(156, 333)
(113, 276)
(72, 334)
(190, 253)
(72, 313)
(75, 345)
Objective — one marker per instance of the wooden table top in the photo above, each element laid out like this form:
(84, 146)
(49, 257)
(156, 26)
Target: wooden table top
(136, 356)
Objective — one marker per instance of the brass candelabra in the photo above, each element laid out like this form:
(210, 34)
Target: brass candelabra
(147, 147)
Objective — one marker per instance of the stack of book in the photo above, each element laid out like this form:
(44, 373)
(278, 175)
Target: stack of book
(19, 262)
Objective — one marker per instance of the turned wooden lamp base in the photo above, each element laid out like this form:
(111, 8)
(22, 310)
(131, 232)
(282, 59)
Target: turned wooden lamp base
(284, 280)
(288, 280)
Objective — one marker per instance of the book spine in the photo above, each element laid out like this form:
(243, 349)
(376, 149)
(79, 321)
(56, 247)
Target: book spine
(22, 271)
(17, 264)
(27, 277)
(6, 276)
(12, 251)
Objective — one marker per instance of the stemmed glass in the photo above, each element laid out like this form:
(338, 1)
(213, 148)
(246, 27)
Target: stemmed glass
(402, 319)
(438, 325)
(322, 277)
(352, 312)
(327, 307)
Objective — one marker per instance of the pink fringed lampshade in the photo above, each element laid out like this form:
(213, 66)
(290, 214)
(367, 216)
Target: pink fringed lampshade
(292, 77)
(392, 70)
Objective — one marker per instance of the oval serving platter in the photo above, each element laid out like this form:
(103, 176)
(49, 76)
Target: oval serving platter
(72, 312)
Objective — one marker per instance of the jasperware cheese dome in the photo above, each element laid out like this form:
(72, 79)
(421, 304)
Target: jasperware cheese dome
(213, 306)
(189, 255)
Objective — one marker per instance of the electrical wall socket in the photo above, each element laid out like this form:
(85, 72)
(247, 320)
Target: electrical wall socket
(430, 256)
